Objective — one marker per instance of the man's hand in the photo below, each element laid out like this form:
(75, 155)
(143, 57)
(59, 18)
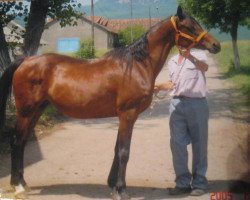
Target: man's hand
(198, 64)
(184, 52)
(164, 86)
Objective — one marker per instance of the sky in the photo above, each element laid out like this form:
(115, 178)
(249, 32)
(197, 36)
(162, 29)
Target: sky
(88, 2)
(85, 2)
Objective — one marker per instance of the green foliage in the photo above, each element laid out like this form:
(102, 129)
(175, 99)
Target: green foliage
(226, 15)
(100, 52)
(10, 10)
(219, 14)
(61, 10)
(48, 114)
(86, 51)
(124, 36)
(64, 11)
(247, 22)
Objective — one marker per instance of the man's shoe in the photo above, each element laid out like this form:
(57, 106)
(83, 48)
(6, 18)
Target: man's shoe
(179, 191)
(197, 192)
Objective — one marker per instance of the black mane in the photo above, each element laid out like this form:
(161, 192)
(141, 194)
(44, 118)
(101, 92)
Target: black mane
(138, 50)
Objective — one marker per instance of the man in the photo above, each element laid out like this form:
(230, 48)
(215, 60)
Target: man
(188, 120)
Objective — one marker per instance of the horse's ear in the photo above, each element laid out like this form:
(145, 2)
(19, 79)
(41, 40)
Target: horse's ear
(181, 15)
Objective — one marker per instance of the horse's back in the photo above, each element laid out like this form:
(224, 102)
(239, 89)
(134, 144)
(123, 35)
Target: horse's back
(46, 66)
(79, 88)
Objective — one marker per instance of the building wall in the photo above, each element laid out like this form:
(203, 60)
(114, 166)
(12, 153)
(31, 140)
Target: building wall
(103, 38)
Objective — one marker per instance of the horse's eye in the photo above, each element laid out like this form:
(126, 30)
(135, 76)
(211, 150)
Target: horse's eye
(189, 30)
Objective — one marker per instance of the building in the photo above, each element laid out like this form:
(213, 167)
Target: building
(119, 24)
(67, 39)
(13, 35)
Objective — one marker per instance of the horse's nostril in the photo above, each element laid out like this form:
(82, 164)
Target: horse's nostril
(216, 47)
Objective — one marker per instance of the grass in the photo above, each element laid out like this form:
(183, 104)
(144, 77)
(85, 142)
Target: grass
(49, 113)
(239, 77)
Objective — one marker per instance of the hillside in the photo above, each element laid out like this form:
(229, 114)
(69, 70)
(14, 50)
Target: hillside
(115, 9)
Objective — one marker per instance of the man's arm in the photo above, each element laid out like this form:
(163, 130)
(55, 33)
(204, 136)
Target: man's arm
(164, 86)
(198, 63)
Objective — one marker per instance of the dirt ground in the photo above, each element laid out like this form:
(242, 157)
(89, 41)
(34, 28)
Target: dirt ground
(73, 161)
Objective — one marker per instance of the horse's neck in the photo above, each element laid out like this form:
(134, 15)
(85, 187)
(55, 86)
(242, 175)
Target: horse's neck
(161, 40)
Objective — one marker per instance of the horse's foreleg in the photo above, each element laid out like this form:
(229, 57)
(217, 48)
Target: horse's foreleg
(122, 149)
(113, 175)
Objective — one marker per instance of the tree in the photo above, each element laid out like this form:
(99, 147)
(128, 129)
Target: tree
(62, 10)
(226, 15)
(8, 11)
(35, 19)
(124, 36)
(87, 50)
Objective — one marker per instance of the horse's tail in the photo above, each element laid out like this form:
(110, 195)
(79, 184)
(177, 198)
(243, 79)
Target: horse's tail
(5, 87)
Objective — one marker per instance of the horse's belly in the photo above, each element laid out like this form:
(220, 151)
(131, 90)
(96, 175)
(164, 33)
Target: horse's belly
(93, 108)
(88, 113)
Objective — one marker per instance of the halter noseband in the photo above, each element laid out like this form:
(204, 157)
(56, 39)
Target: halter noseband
(181, 34)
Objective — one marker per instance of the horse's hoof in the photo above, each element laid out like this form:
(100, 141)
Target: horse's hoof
(27, 188)
(112, 182)
(21, 195)
(120, 196)
(20, 191)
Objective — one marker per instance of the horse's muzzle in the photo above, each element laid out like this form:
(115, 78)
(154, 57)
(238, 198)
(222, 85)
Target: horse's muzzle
(215, 48)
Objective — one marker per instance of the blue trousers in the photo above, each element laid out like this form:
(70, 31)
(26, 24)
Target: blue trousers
(189, 124)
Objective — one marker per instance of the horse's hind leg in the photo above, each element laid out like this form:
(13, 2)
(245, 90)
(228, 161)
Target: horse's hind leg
(18, 142)
(117, 174)
(24, 126)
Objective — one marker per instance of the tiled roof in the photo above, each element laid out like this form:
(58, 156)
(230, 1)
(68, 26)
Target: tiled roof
(98, 21)
(115, 25)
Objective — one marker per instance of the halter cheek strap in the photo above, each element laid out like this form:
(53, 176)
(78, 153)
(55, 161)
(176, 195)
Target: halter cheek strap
(181, 34)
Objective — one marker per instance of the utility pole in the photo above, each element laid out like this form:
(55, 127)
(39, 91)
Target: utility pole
(145, 3)
(92, 23)
(131, 17)
(149, 13)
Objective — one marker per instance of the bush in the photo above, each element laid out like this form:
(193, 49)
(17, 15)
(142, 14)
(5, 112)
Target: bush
(124, 36)
(48, 114)
(86, 51)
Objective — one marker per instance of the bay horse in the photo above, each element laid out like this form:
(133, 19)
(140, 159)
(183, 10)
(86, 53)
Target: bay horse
(118, 84)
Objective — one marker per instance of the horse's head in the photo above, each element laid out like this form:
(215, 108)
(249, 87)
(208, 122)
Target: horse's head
(190, 34)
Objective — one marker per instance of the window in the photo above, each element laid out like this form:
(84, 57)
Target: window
(68, 45)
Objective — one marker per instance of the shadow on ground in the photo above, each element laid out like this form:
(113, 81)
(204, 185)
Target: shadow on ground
(144, 193)
(36, 157)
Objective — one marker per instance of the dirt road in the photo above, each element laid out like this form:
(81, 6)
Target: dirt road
(73, 162)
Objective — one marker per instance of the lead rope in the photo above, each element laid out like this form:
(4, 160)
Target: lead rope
(157, 97)
(194, 42)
